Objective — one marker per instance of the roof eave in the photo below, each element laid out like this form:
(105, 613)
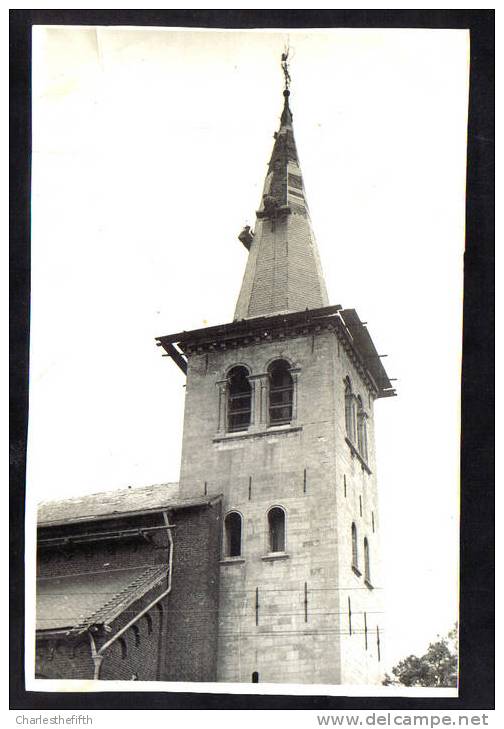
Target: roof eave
(129, 514)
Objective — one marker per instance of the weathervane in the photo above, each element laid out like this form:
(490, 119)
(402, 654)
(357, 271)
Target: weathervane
(285, 67)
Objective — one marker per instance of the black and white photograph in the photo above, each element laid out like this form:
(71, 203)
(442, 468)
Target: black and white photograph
(245, 361)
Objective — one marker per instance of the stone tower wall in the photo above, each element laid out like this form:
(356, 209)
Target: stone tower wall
(285, 616)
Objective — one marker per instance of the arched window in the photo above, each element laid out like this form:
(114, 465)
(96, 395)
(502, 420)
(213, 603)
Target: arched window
(367, 569)
(349, 410)
(255, 677)
(136, 632)
(362, 430)
(355, 551)
(280, 392)
(124, 648)
(239, 399)
(232, 534)
(148, 620)
(276, 529)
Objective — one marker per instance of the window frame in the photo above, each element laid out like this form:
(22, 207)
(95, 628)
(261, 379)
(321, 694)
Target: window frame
(356, 418)
(287, 367)
(367, 562)
(362, 442)
(355, 549)
(269, 544)
(227, 538)
(350, 419)
(238, 396)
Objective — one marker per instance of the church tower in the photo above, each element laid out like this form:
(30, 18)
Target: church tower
(279, 419)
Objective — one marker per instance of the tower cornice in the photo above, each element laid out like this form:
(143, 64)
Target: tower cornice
(345, 324)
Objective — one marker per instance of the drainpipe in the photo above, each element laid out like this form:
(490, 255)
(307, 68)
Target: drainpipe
(97, 655)
(97, 658)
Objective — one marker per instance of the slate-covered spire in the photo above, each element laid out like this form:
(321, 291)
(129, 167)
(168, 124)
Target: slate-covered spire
(283, 272)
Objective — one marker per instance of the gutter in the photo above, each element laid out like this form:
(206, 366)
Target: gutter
(98, 654)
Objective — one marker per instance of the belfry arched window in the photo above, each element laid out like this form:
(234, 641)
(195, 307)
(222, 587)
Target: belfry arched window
(349, 410)
(281, 390)
(232, 534)
(367, 568)
(239, 399)
(355, 549)
(276, 529)
(361, 429)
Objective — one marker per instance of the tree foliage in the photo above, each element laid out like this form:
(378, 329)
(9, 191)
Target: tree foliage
(437, 667)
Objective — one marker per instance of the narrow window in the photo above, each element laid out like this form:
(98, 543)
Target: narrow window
(276, 526)
(349, 410)
(367, 571)
(372, 519)
(280, 393)
(239, 399)
(148, 620)
(355, 553)
(233, 530)
(136, 633)
(360, 505)
(361, 430)
(359, 423)
(124, 648)
(255, 677)
(364, 437)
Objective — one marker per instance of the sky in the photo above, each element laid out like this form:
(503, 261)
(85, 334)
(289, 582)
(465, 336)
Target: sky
(150, 149)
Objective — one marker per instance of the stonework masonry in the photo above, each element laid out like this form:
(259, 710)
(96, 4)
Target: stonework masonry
(287, 616)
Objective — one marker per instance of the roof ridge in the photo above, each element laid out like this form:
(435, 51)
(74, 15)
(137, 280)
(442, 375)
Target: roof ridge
(125, 489)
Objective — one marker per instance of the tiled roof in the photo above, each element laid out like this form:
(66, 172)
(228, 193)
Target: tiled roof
(116, 503)
(75, 602)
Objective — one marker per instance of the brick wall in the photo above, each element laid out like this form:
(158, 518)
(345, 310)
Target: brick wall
(178, 640)
(63, 659)
(191, 633)
(137, 656)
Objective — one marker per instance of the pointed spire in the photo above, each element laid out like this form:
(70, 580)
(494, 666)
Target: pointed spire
(283, 272)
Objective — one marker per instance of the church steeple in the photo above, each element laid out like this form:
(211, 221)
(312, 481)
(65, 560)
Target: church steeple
(283, 272)
(279, 421)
